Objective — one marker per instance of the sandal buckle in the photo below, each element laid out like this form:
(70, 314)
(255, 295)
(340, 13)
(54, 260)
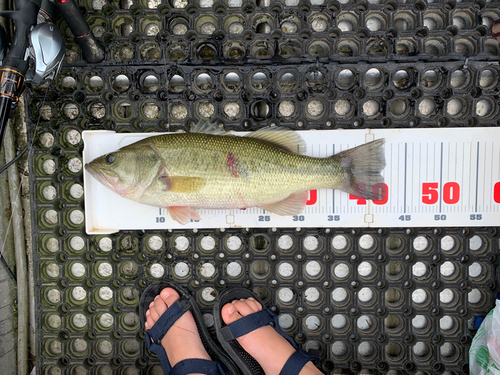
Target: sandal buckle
(184, 303)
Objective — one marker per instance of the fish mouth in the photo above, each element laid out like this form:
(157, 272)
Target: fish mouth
(99, 176)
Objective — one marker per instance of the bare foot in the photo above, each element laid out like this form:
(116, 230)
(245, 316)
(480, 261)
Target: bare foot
(182, 341)
(264, 344)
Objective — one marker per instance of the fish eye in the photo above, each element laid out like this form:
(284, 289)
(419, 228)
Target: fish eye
(110, 158)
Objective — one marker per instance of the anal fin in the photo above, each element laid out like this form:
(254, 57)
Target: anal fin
(183, 214)
(292, 205)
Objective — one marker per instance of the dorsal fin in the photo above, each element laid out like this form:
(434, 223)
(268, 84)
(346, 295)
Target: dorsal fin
(208, 128)
(285, 138)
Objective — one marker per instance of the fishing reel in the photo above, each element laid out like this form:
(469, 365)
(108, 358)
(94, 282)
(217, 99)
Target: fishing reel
(36, 54)
(41, 59)
(46, 51)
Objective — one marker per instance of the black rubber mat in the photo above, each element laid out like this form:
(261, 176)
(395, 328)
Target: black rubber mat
(366, 299)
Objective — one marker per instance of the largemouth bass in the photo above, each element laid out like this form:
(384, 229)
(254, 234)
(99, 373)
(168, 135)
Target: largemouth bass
(209, 168)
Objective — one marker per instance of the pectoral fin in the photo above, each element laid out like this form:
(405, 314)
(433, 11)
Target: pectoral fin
(292, 205)
(181, 184)
(183, 214)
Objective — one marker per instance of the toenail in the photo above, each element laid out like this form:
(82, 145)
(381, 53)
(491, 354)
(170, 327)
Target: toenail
(233, 302)
(165, 294)
(242, 300)
(148, 313)
(230, 310)
(157, 297)
(151, 304)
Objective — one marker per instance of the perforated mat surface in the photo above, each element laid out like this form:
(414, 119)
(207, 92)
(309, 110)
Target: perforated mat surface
(389, 301)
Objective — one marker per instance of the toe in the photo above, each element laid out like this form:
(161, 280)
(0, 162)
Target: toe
(153, 313)
(495, 29)
(256, 306)
(230, 314)
(160, 306)
(150, 322)
(244, 308)
(169, 296)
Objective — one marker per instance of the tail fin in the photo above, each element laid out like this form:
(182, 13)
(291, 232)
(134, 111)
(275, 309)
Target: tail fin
(363, 165)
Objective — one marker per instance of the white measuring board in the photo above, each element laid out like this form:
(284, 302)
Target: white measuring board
(435, 177)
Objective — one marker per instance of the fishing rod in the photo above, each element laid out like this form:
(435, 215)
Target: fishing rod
(37, 52)
(15, 64)
(92, 49)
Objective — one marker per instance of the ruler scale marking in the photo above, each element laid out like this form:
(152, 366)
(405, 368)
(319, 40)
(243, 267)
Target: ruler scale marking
(456, 153)
(333, 191)
(477, 175)
(485, 206)
(441, 180)
(397, 179)
(466, 202)
(426, 161)
(490, 190)
(404, 196)
(412, 176)
(419, 175)
(448, 177)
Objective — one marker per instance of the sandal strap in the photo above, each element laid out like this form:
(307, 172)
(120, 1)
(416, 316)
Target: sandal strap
(263, 318)
(196, 366)
(252, 322)
(166, 321)
(159, 350)
(248, 324)
(296, 362)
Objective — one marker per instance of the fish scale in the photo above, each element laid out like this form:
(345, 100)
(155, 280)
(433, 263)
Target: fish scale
(262, 170)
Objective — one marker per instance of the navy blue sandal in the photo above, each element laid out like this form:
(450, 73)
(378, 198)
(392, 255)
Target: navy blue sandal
(227, 334)
(222, 364)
